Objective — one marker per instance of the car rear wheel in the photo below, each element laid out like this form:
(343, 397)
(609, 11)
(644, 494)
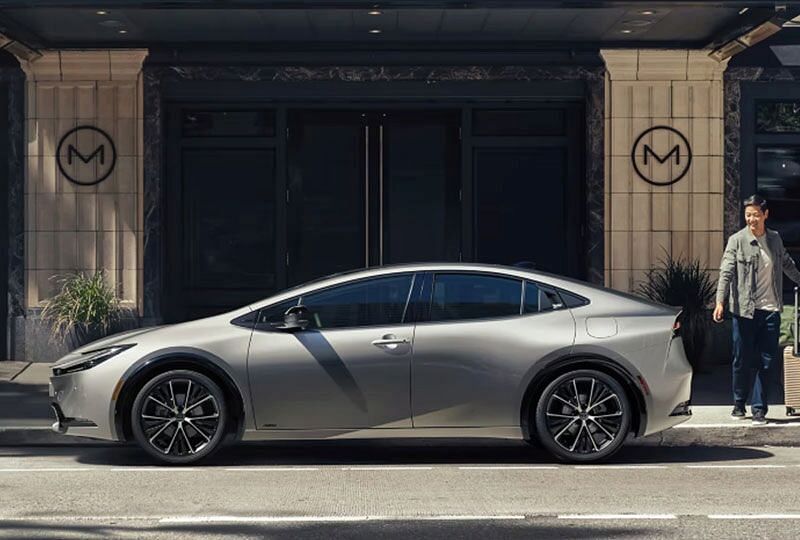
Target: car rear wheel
(179, 417)
(583, 416)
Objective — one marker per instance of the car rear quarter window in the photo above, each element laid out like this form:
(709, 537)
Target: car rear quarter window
(373, 302)
(538, 298)
(474, 296)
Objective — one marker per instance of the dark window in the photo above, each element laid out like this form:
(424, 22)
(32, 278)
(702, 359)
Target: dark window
(538, 299)
(778, 117)
(471, 296)
(778, 181)
(274, 314)
(228, 123)
(516, 190)
(374, 302)
(515, 123)
(572, 300)
(229, 218)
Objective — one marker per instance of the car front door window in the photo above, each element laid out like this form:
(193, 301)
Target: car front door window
(374, 302)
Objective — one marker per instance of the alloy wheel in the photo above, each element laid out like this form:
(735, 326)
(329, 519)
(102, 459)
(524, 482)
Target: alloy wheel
(179, 417)
(584, 415)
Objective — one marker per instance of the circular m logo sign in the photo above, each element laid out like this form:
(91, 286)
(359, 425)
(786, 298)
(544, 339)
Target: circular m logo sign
(86, 155)
(661, 155)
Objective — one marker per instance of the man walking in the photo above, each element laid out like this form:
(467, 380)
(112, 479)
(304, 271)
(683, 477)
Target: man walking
(751, 280)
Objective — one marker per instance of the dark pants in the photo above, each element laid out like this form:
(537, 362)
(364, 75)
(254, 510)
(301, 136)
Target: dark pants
(755, 354)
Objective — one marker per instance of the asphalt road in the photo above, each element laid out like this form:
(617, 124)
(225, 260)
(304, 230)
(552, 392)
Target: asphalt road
(400, 490)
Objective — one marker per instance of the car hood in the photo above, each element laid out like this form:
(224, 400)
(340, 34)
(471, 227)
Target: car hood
(108, 341)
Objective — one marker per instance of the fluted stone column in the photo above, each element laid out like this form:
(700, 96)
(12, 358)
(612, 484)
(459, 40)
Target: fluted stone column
(71, 227)
(680, 89)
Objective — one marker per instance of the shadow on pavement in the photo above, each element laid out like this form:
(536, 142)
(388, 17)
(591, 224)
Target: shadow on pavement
(386, 529)
(407, 452)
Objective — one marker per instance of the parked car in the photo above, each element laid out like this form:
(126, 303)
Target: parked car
(422, 351)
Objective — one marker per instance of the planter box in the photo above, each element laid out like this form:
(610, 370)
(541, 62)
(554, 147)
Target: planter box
(41, 346)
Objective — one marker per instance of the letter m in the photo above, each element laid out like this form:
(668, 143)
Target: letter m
(72, 151)
(675, 150)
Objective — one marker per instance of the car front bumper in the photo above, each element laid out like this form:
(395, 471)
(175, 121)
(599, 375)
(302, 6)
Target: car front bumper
(82, 402)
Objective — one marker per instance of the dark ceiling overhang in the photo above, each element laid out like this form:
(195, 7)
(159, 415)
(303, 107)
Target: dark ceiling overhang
(395, 25)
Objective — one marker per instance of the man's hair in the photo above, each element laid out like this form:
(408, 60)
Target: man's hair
(756, 200)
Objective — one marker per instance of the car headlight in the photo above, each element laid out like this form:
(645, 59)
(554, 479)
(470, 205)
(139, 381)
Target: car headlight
(89, 359)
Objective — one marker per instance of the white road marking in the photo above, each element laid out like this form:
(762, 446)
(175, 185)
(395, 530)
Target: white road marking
(35, 519)
(735, 466)
(509, 468)
(387, 468)
(754, 516)
(329, 519)
(271, 469)
(53, 469)
(617, 516)
(621, 467)
(148, 469)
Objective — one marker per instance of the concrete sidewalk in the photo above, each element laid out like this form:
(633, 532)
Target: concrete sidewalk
(25, 416)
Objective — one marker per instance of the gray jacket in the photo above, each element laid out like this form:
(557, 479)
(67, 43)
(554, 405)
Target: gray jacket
(737, 272)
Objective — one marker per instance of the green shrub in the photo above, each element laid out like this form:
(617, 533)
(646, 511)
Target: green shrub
(683, 284)
(85, 305)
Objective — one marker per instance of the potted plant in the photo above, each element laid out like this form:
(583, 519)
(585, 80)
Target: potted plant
(85, 309)
(682, 283)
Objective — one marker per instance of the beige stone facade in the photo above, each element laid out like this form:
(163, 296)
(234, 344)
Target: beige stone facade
(71, 227)
(683, 90)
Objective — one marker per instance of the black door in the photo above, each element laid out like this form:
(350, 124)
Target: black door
(221, 210)
(526, 166)
(370, 188)
(4, 216)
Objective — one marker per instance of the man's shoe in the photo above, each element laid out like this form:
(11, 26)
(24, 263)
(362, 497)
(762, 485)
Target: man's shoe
(738, 413)
(759, 419)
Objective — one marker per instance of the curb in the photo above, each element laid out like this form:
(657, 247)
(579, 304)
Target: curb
(715, 435)
(720, 435)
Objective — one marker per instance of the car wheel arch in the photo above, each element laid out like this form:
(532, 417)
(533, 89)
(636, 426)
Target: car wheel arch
(583, 361)
(168, 362)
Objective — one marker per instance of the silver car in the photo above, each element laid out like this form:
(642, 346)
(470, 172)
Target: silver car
(423, 351)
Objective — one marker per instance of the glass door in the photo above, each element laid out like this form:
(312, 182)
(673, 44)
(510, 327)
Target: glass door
(327, 194)
(371, 188)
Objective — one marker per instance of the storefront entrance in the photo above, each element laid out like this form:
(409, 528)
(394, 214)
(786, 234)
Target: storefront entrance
(261, 198)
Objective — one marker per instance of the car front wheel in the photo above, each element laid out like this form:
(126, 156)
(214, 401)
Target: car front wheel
(583, 416)
(179, 417)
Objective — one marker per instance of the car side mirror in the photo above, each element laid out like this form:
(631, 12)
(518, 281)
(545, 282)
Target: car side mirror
(295, 319)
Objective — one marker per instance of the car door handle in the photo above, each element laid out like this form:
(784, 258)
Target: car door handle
(387, 341)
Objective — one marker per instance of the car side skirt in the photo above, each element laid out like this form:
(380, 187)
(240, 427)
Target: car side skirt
(500, 432)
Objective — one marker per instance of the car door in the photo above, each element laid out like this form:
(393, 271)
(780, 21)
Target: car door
(349, 369)
(472, 349)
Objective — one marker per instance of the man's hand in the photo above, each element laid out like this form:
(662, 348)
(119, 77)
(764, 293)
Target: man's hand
(718, 311)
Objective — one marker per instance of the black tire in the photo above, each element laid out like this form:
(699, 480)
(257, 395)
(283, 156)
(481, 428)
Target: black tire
(568, 424)
(167, 430)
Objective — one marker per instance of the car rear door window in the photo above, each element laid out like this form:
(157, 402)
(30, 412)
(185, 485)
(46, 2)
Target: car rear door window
(373, 302)
(474, 296)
